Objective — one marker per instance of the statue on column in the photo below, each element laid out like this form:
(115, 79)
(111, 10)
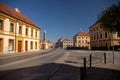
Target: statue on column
(44, 40)
(44, 36)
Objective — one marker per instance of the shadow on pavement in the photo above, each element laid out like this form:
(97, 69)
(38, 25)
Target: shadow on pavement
(40, 72)
(96, 73)
(64, 72)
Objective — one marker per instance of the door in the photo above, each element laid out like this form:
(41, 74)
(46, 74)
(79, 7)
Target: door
(26, 45)
(19, 46)
(1, 45)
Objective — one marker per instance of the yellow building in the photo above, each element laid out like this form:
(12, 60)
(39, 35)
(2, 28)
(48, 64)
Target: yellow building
(81, 39)
(103, 38)
(65, 43)
(17, 32)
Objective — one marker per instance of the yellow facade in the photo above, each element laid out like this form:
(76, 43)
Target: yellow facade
(17, 35)
(81, 39)
(103, 38)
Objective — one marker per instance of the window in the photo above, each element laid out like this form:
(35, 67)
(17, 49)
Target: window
(31, 32)
(106, 35)
(1, 24)
(11, 45)
(100, 36)
(100, 27)
(91, 37)
(82, 41)
(94, 37)
(26, 31)
(118, 34)
(20, 30)
(31, 45)
(35, 45)
(11, 27)
(36, 34)
(97, 36)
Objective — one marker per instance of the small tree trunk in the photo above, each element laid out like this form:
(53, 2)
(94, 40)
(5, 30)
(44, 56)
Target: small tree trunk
(112, 39)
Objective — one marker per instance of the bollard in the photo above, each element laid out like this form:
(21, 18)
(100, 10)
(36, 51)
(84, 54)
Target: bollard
(84, 67)
(81, 73)
(90, 60)
(105, 58)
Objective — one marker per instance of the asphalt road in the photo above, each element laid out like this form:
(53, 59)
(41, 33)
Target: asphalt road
(59, 64)
(39, 67)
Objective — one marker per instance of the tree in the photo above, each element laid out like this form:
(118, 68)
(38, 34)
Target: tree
(110, 18)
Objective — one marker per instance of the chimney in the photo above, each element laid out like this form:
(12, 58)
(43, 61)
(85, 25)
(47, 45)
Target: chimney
(17, 10)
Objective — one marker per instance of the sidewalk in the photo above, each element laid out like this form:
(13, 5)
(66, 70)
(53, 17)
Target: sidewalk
(109, 66)
(98, 71)
(22, 53)
(70, 70)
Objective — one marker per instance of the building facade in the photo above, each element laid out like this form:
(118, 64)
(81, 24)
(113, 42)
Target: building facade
(103, 38)
(46, 44)
(64, 43)
(81, 39)
(17, 32)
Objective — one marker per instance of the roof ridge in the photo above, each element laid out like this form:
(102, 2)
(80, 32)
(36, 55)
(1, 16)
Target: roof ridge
(11, 12)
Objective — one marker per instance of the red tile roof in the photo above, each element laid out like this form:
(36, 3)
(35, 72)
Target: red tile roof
(48, 41)
(83, 34)
(66, 39)
(11, 12)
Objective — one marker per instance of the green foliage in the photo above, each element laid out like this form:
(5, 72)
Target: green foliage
(110, 18)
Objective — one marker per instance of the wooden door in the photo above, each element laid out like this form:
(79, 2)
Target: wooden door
(1, 45)
(19, 46)
(26, 45)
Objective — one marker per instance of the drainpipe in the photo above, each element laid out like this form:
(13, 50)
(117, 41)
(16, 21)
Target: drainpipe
(15, 34)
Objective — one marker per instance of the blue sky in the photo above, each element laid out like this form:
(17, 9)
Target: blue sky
(61, 18)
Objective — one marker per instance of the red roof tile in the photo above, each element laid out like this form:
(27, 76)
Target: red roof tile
(82, 34)
(11, 12)
(48, 41)
(68, 40)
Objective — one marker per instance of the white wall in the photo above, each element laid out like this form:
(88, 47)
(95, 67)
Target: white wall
(29, 31)
(23, 30)
(6, 41)
(6, 26)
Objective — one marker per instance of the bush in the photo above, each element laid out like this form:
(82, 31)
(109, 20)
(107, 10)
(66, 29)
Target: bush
(77, 48)
(105, 48)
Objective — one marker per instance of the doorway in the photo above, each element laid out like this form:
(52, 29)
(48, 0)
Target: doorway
(19, 46)
(1, 45)
(26, 45)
